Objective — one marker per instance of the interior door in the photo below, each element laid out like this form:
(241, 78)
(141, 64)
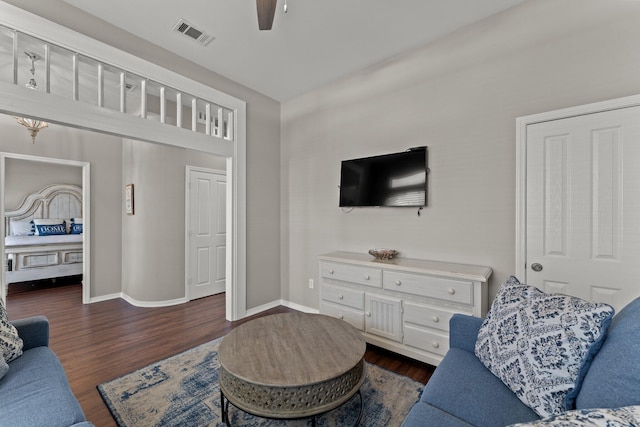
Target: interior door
(207, 233)
(582, 206)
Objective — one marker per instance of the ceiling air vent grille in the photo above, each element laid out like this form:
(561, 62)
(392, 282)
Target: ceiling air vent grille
(186, 29)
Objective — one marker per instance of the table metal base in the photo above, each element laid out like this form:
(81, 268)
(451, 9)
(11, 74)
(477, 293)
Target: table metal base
(224, 408)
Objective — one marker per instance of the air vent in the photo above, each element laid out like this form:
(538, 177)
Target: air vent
(185, 28)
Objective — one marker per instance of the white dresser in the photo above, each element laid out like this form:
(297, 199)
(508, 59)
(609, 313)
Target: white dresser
(403, 305)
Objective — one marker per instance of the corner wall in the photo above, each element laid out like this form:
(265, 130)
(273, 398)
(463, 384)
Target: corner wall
(460, 96)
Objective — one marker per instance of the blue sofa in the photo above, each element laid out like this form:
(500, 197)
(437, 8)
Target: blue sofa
(463, 393)
(35, 391)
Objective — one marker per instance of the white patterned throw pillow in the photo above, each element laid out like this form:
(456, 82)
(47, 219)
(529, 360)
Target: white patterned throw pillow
(541, 345)
(10, 343)
(628, 416)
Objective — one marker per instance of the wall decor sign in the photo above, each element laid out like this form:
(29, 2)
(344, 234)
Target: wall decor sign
(128, 199)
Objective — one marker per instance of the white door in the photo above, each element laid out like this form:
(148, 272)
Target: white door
(583, 206)
(206, 233)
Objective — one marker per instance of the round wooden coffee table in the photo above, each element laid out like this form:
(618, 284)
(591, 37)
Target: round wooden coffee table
(291, 365)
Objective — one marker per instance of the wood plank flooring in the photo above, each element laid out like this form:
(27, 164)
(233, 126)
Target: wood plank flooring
(101, 341)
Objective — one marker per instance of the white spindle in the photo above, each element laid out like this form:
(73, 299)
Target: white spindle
(76, 95)
(230, 126)
(220, 126)
(100, 85)
(123, 92)
(15, 57)
(163, 104)
(76, 66)
(143, 98)
(47, 68)
(207, 129)
(179, 110)
(194, 114)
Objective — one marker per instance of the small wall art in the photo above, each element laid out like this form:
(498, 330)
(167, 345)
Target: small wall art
(128, 199)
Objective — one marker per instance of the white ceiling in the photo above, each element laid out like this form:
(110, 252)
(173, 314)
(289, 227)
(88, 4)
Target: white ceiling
(316, 42)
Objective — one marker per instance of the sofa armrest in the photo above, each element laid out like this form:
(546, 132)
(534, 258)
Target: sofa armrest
(463, 331)
(34, 331)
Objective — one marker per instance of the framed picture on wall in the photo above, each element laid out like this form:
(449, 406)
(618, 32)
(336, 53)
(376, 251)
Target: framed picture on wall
(128, 199)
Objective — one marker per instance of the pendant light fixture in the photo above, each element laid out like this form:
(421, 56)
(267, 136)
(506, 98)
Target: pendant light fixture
(33, 126)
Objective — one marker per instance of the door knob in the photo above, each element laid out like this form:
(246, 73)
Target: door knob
(536, 266)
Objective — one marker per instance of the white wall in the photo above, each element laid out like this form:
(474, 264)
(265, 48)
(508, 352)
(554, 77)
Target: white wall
(460, 96)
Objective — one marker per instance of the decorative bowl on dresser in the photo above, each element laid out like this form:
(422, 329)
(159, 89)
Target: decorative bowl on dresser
(403, 305)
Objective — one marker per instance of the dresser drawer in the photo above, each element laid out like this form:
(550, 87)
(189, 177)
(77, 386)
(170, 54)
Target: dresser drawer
(352, 273)
(349, 315)
(426, 340)
(344, 296)
(428, 286)
(428, 316)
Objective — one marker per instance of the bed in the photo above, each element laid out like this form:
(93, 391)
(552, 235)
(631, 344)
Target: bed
(44, 235)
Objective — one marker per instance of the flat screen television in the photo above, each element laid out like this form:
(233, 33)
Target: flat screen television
(398, 179)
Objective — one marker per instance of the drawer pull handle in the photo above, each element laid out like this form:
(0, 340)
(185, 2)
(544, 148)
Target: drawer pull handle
(435, 344)
(398, 282)
(435, 319)
(451, 291)
(341, 296)
(341, 317)
(330, 271)
(368, 314)
(367, 277)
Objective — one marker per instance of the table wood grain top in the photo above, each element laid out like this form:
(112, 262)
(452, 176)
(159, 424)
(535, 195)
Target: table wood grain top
(291, 349)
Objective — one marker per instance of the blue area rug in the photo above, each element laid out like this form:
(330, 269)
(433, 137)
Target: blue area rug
(183, 391)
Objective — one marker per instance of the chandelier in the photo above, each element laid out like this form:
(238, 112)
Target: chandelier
(33, 125)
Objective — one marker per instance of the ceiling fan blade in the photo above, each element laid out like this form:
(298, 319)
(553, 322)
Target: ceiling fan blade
(266, 12)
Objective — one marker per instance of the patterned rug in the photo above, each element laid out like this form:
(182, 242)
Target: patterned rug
(183, 391)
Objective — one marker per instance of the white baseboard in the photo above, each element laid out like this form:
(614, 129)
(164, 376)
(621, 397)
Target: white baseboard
(105, 297)
(152, 304)
(276, 303)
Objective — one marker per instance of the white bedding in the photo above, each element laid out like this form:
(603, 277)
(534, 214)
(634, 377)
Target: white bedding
(12, 241)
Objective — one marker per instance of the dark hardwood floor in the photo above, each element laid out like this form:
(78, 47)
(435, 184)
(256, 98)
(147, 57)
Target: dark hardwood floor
(101, 341)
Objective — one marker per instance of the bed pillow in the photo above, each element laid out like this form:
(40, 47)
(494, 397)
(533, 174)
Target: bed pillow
(75, 226)
(541, 345)
(10, 343)
(49, 226)
(21, 228)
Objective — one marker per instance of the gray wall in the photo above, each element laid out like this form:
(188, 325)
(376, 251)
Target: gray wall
(263, 146)
(24, 177)
(460, 96)
(153, 238)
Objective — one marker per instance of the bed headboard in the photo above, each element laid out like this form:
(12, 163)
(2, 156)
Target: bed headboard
(53, 201)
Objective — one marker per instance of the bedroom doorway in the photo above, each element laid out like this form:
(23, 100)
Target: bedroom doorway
(11, 165)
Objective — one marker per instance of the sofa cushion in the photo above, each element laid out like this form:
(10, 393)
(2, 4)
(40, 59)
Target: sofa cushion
(600, 417)
(462, 386)
(10, 342)
(540, 345)
(35, 392)
(422, 411)
(613, 379)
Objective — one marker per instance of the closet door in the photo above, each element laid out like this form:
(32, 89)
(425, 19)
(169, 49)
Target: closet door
(583, 206)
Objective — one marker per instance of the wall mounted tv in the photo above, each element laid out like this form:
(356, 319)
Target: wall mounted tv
(398, 179)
